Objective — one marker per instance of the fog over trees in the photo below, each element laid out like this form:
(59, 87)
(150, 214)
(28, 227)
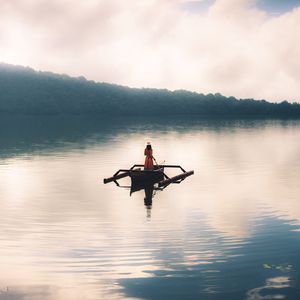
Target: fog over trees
(25, 91)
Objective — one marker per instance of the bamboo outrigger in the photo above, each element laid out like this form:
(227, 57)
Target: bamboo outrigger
(139, 176)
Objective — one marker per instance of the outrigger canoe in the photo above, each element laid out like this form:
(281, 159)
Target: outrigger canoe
(139, 176)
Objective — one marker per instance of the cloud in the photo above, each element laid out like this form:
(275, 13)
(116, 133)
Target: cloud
(233, 48)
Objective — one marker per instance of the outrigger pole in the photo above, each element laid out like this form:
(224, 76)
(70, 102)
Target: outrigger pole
(175, 179)
(118, 175)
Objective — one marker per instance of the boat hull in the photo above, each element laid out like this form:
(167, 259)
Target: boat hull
(146, 177)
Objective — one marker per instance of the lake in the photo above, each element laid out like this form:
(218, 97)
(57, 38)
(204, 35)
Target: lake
(230, 231)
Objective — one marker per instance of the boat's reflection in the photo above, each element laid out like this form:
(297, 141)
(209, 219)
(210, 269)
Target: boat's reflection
(149, 194)
(149, 190)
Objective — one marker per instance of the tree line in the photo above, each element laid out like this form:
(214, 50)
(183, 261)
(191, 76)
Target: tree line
(25, 91)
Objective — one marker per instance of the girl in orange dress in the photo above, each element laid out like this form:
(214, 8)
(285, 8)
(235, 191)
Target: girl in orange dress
(149, 158)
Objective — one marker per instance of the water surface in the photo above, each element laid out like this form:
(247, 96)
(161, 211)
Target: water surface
(231, 231)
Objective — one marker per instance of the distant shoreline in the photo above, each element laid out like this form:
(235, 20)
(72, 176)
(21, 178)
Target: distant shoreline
(28, 92)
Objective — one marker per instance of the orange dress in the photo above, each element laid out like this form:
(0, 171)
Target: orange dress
(148, 159)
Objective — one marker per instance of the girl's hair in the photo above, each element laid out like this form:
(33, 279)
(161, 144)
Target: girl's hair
(149, 147)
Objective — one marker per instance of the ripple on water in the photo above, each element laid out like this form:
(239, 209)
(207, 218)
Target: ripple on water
(228, 231)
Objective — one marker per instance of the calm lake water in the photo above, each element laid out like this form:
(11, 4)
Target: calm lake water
(230, 231)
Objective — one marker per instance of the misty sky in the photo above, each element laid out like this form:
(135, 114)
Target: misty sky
(243, 48)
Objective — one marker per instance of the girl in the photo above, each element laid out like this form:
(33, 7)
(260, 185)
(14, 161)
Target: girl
(149, 158)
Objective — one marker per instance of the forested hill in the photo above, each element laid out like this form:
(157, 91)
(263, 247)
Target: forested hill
(25, 91)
